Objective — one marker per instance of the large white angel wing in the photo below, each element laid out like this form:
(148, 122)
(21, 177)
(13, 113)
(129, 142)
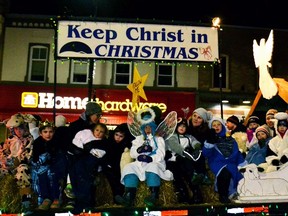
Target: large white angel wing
(133, 124)
(262, 57)
(167, 127)
(263, 52)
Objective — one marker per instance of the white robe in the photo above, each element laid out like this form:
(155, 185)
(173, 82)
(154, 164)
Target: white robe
(157, 166)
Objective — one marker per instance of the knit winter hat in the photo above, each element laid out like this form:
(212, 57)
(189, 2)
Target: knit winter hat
(233, 119)
(264, 129)
(204, 114)
(215, 118)
(271, 112)
(60, 120)
(253, 119)
(282, 118)
(93, 108)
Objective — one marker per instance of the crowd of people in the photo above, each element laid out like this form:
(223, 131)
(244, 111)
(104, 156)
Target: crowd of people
(53, 159)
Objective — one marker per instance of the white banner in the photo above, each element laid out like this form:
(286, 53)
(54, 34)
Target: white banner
(107, 40)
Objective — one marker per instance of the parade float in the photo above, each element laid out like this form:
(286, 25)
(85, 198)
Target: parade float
(259, 193)
(258, 186)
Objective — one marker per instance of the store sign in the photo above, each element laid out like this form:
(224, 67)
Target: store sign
(83, 39)
(46, 100)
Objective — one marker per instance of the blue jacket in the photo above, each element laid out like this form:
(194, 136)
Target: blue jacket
(256, 154)
(217, 160)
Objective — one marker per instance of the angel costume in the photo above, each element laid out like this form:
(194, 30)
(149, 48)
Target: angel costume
(148, 150)
(157, 165)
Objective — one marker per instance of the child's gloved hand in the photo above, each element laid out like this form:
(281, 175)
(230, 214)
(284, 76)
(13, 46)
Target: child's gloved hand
(145, 158)
(144, 148)
(211, 136)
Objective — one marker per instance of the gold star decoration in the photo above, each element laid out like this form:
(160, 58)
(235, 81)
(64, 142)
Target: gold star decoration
(137, 87)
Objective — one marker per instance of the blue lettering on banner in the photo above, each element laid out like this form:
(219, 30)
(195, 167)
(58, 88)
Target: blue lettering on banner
(88, 33)
(145, 52)
(137, 41)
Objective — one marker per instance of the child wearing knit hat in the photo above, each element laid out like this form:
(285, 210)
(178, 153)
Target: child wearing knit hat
(253, 123)
(203, 114)
(233, 125)
(198, 123)
(238, 132)
(257, 152)
(270, 121)
(223, 157)
(198, 128)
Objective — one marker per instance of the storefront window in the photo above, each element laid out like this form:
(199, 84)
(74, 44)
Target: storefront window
(38, 59)
(165, 75)
(79, 71)
(122, 73)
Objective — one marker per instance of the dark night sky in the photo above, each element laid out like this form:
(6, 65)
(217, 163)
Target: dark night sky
(264, 13)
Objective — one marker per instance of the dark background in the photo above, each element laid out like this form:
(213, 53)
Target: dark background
(254, 13)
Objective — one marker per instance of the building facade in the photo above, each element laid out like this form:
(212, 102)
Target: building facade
(31, 75)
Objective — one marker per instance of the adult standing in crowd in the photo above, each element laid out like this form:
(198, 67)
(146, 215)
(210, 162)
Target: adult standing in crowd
(87, 120)
(198, 128)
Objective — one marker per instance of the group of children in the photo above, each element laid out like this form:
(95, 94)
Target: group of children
(74, 154)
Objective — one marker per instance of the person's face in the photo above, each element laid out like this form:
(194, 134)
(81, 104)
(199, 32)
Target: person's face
(99, 132)
(118, 137)
(196, 120)
(181, 129)
(47, 133)
(230, 125)
(253, 125)
(148, 130)
(95, 118)
(261, 135)
(19, 131)
(282, 129)
(217, 126)
(269, 121)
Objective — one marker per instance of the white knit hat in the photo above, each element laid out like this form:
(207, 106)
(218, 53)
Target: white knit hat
(204, 114)
(215, 118)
